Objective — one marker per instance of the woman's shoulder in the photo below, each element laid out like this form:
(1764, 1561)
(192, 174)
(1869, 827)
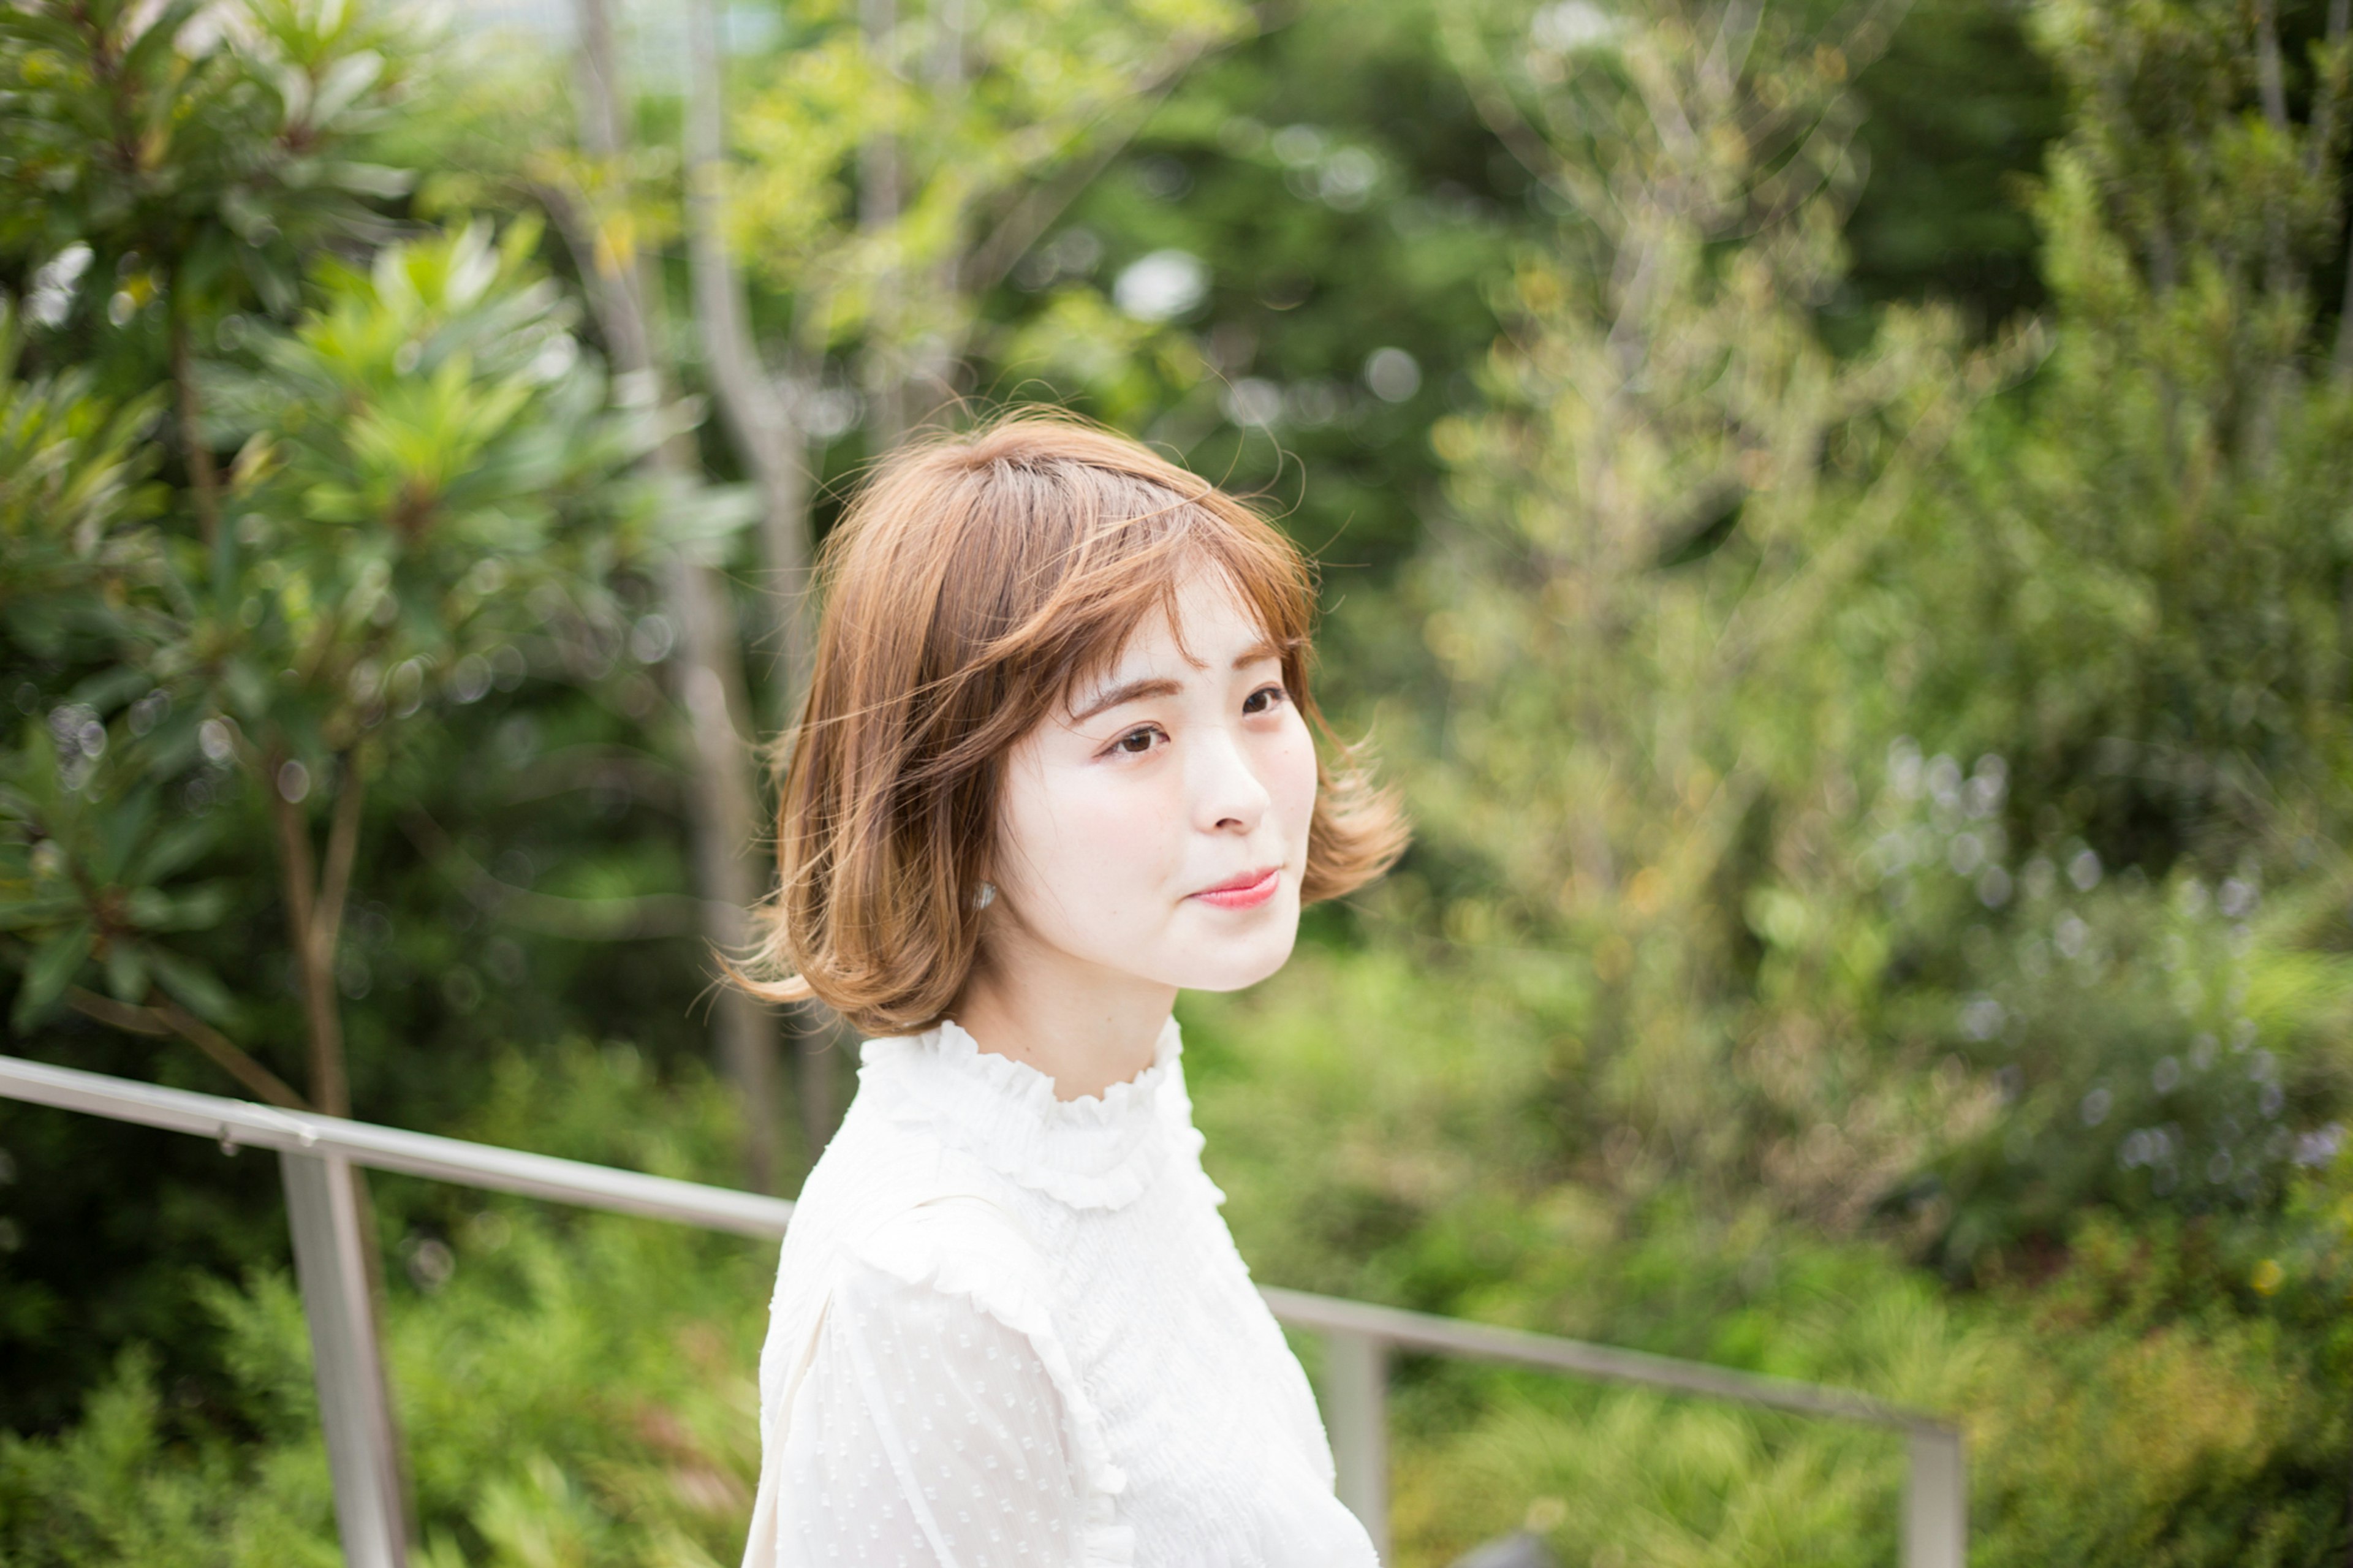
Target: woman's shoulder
(963, 1245)
(887, 1212)
(880, 1164)
(891, 1198)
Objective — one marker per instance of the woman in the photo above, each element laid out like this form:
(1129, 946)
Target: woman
(1057, 763)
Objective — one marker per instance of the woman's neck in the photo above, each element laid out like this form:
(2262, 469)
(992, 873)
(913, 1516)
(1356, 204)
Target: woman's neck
(1082, 1026)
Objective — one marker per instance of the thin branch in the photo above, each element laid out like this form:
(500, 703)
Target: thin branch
(622, 294)
(163, 1016)
(2272, 85)
(298, 877)
(723, 816)
(1727, 56)
(2328, 91)
(600, 93)
(343, 849)
(2323, 144)
(880, 200)
(2341, 362)
(2269, 79)
(1823, 151)
(124, 1015)
(203, 477)
(986, 265)
(644, 916)
(588, 766)
(1527, 145)
(766, 436)
(218, 1046)
(1793, 612)
(1868, 28)
(293, 850)
(619, 320)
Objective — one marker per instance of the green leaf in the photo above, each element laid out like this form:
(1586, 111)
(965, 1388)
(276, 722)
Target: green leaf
(371, 179)
(110, 688)
(52, 969)
(171, 850)
(31, 914)
(121, 830)
(152, 909)
(344, 81)
(126, 970)
(192, 985)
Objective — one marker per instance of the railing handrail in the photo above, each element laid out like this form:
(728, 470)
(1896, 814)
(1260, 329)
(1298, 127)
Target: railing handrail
(1370, 1328)
(1469, 1339)
(240, 1124)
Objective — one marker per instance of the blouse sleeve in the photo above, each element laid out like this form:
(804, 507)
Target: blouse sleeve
(926, 1432)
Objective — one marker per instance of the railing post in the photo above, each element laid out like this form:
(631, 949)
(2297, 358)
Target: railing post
(1937, 1501)
(1355, 1413)
(323, 1211)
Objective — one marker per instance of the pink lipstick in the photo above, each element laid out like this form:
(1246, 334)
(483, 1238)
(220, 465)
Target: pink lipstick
(1246, 891)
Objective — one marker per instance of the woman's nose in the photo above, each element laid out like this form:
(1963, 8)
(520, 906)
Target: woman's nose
(1229, 795)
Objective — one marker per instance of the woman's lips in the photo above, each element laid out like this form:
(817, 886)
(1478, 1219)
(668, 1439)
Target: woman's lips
(1246, 891)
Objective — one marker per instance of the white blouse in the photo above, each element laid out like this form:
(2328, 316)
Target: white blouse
(1010, 1330)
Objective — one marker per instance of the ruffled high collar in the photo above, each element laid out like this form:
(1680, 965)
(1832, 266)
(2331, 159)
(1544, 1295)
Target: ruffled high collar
(1096, 1151)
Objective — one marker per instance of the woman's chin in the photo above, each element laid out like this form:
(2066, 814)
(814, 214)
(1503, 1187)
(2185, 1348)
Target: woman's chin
(1240, 960)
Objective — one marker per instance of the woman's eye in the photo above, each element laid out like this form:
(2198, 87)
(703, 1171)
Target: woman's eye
(1264, 699)
(1136, 742)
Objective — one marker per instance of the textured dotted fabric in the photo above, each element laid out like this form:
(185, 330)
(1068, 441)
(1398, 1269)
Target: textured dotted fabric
(926, 1432)
(1011, 1330)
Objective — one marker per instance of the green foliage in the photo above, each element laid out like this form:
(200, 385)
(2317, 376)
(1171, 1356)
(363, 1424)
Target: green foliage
(429, 468)
(1641, 732)
(89, 870)
(2168, 535)
(188, 156)
(974, 109)
(518, 1459)
(1959, 110)
(2152, 1387)
(1875, 917)
(73, 494)
(2156, 1398)
(435, 503)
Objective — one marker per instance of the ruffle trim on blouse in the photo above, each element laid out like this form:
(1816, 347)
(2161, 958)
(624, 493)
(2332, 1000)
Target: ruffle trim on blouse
(1097, 1151)
(932, 1248)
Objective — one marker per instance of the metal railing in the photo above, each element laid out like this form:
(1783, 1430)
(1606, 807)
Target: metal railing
(318, 1153)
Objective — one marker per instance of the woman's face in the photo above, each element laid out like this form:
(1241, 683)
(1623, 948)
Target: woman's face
(1157, 829)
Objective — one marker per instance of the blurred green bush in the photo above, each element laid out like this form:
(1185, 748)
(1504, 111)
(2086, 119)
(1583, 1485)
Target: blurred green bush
(1876, 729)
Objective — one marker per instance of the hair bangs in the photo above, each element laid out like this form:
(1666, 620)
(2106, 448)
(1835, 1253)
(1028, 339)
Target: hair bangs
(1139, 573)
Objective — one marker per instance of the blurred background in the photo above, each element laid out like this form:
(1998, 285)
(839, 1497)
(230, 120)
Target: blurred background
(1839, 517)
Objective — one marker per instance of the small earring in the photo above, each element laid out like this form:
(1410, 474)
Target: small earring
(985, 897)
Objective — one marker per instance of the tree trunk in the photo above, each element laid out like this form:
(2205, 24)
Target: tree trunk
(764, 433)
(711, 691)
(315, 919)
(773, 449)
(879, 197)
(707, 669)
(315, 895)
(928, 364)
(2341, 362)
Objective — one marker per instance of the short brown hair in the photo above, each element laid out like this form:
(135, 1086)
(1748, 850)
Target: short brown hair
(976, 580)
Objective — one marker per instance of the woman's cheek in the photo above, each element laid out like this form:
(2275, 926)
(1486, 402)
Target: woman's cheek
(1125, 841)
(1294, 784)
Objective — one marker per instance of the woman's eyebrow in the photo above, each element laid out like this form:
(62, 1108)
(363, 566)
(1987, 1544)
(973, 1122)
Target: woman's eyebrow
(1138, 690)
(1134, 691)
